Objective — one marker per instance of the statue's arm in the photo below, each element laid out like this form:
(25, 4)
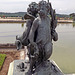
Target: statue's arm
(27, 30)
(32, 31)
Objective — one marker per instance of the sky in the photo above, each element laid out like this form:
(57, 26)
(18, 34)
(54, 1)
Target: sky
(61, 6)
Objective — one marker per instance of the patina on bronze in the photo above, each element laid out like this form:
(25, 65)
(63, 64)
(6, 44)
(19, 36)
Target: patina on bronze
(38, 36)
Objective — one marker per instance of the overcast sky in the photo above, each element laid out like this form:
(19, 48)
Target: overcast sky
(61, 6)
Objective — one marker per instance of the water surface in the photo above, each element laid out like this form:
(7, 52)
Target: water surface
(8, 32)
(63, 49)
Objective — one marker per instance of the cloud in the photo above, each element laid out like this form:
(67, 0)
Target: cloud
(61, 6)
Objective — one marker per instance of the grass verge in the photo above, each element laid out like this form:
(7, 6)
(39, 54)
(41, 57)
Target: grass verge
(2, 58)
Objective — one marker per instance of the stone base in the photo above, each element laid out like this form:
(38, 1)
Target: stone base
(13, 70)
(46, 68)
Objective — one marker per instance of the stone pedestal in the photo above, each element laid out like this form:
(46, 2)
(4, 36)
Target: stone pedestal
(46, 68)
(13, 69)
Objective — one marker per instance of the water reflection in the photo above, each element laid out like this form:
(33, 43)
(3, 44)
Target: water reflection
(67, 24)
(8, 32)
(73, 24)
(22, 25)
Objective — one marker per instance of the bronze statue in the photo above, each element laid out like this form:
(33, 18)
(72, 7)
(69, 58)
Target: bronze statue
(30, 16)
(38, 34)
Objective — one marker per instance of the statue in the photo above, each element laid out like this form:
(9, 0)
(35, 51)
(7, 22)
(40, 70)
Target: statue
(38, 36)
(30, 16)
(42, 25)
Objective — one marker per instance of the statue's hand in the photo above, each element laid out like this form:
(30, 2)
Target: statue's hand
(18, 44)
(55, 36)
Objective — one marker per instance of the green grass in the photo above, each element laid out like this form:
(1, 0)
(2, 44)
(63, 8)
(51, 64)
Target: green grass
(2, 58)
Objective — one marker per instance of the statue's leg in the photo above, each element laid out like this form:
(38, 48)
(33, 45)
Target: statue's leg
(48, 50)
(55, 36)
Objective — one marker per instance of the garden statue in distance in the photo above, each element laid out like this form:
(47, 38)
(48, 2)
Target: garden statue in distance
(38, 36)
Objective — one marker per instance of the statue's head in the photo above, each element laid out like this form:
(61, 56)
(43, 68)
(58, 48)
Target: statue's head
(33, 8)
(43, 8)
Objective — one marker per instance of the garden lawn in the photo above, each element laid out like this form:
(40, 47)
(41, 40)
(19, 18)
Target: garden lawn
(2, 58)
